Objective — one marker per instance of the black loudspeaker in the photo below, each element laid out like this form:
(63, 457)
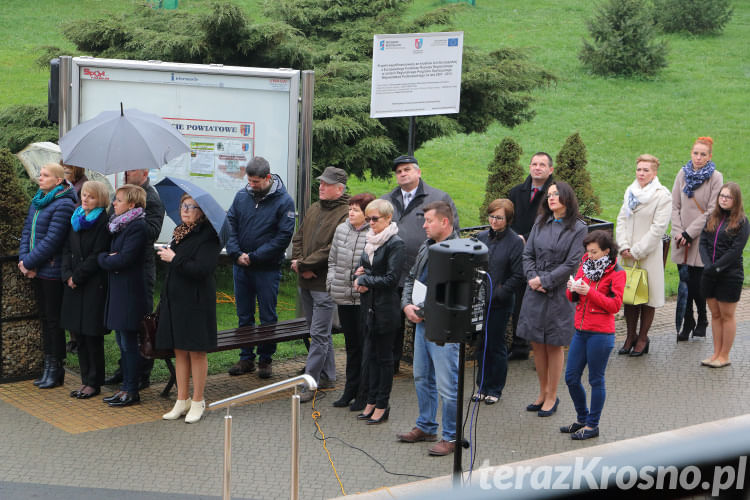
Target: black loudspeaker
(53, 91)
(455, 304)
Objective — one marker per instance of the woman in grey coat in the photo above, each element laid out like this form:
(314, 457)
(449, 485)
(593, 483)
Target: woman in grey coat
(551, 256)
(346, 249)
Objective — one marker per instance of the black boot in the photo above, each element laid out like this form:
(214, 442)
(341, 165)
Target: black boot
(56, 375)
(45, 370)
(700, 328)
(687, 327)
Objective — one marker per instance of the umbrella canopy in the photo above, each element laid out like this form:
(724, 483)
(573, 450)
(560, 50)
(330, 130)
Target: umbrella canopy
(170, 191)
(116, 141)
(682, 296)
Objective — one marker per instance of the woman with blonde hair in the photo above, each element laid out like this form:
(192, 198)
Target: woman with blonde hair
(187, 309)
(694, 194)
(39, 256)
(643, 219)
(86, 285)
(126, 292)
(721, 245)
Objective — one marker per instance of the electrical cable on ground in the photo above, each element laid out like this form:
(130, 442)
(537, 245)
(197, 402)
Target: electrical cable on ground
(315, 417)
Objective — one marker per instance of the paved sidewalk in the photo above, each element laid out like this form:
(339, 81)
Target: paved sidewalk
(55, 447)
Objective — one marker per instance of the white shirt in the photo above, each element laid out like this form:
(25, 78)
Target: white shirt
(408, 196)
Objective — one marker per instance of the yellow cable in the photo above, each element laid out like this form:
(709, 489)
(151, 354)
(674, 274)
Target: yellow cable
(315, 416)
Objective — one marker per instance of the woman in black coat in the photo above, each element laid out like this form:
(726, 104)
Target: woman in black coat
(377, 282)
(187, 310)
(721, 245)
(86, 285)
(506, 270)
(126, 294)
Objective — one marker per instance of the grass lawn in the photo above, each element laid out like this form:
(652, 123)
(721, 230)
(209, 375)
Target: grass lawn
(703, 91)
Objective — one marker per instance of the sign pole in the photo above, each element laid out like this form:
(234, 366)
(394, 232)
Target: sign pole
(412, 124)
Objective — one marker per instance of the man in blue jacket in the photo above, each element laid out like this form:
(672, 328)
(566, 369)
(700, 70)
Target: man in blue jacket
(261, 223)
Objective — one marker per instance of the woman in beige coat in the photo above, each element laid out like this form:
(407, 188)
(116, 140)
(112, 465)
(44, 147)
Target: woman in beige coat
(694, 194)
(642, 221)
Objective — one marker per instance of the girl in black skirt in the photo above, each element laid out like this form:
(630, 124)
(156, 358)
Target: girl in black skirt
(721, 245)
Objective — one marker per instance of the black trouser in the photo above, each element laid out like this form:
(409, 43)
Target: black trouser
(518, 345)
(49, 295)
(379, 352)
(398, 333)
(146, 365)
(351, 323)
(91, 359)
(694, 295)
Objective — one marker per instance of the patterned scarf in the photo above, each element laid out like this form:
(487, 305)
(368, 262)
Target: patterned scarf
(694, 179)
(181, 231)
(118, 222)
(375, 241)
(594, 269)
(42, 199)
(636, 195)
(80, 220)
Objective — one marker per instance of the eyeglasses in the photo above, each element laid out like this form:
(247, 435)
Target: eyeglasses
(497, 218)
(726, 197)
(188, 206)
(553, 194)
(372, 219)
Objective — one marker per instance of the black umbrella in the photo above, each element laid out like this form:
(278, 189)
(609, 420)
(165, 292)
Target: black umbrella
(682, 293)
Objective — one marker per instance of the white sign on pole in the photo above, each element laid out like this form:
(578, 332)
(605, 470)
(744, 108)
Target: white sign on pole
(416, 74)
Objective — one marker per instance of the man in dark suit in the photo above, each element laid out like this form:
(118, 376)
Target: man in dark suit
(526, 198)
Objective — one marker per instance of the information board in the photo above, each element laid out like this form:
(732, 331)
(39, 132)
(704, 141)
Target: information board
(416, 74)
(228, 114)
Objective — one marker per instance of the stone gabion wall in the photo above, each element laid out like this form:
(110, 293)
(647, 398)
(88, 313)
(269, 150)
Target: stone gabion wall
(20, 329)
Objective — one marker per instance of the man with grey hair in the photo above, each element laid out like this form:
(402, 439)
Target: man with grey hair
(311, 245)
(261, 223)
(408, 199)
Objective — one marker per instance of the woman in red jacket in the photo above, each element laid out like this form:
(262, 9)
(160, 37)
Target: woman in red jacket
(597, 288)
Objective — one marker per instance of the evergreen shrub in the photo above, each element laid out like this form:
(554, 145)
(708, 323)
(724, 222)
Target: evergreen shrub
(505, 172)
(697, 17)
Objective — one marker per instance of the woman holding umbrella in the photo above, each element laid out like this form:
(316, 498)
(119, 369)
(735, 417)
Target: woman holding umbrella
(643, 219)
(86, 285)
(721, 245)
(694, 194)
(187, 310)
(42, 239)
(126, 292)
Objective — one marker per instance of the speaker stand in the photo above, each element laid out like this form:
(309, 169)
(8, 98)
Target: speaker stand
(458, 448)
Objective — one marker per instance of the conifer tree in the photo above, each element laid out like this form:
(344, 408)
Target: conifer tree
(13, 204)
(505, 172)
(695, 17)
(570, 167)
(624, 41)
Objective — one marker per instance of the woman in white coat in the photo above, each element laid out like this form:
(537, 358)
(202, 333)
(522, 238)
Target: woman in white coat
(642, 221)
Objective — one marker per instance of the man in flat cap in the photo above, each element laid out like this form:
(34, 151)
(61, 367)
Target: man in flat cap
(311, 245)
(408, 199)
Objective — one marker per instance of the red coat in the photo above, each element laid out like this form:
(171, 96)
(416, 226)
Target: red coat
(595, 312)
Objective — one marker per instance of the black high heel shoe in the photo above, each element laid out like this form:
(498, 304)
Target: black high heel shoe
(365, 416)
(635, 353)
(625, 350)
(383, 418)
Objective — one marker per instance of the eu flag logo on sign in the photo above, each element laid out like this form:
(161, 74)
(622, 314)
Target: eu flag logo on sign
(453, 42)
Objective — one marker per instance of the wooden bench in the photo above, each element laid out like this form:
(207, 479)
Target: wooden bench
(249, 336)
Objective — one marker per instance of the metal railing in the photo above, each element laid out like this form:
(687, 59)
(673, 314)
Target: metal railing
(227, 403)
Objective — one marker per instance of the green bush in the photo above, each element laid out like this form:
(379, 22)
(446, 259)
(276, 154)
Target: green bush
(505, 172)
(14, 203)
(698, 17)
(570, 166)
(624, 41)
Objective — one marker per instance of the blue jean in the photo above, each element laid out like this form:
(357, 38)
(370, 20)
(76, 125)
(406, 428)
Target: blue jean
(435, 372)
(592, 349)
(128, 343)
(493, 354)
(249, 285)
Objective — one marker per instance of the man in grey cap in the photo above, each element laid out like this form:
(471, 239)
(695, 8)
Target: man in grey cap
(311, 245)
(408, 199)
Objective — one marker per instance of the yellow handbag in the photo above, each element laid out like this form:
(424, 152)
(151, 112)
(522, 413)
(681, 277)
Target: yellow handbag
(636, 286)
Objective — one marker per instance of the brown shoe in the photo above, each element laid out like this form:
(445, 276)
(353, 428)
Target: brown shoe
(264, 369)
(415, 435)
(242, 366)
(441, 448)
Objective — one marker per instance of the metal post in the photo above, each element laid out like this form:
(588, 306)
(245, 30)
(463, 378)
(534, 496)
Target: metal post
(457, 467)
(294, 484)
(306, 121)
(65, 83)
(227, 487)
(412, 132)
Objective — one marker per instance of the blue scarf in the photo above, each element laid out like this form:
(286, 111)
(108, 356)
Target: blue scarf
(41, 200)
(694, 179)
(81, 221)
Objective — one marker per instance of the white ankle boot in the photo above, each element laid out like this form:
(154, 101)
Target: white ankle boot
(181, 407)
(196, 411)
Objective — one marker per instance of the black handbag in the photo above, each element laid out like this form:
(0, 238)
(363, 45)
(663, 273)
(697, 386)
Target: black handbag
(147, 338)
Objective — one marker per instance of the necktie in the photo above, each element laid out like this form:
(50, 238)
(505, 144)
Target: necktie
(533, 193)
(407, 199)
